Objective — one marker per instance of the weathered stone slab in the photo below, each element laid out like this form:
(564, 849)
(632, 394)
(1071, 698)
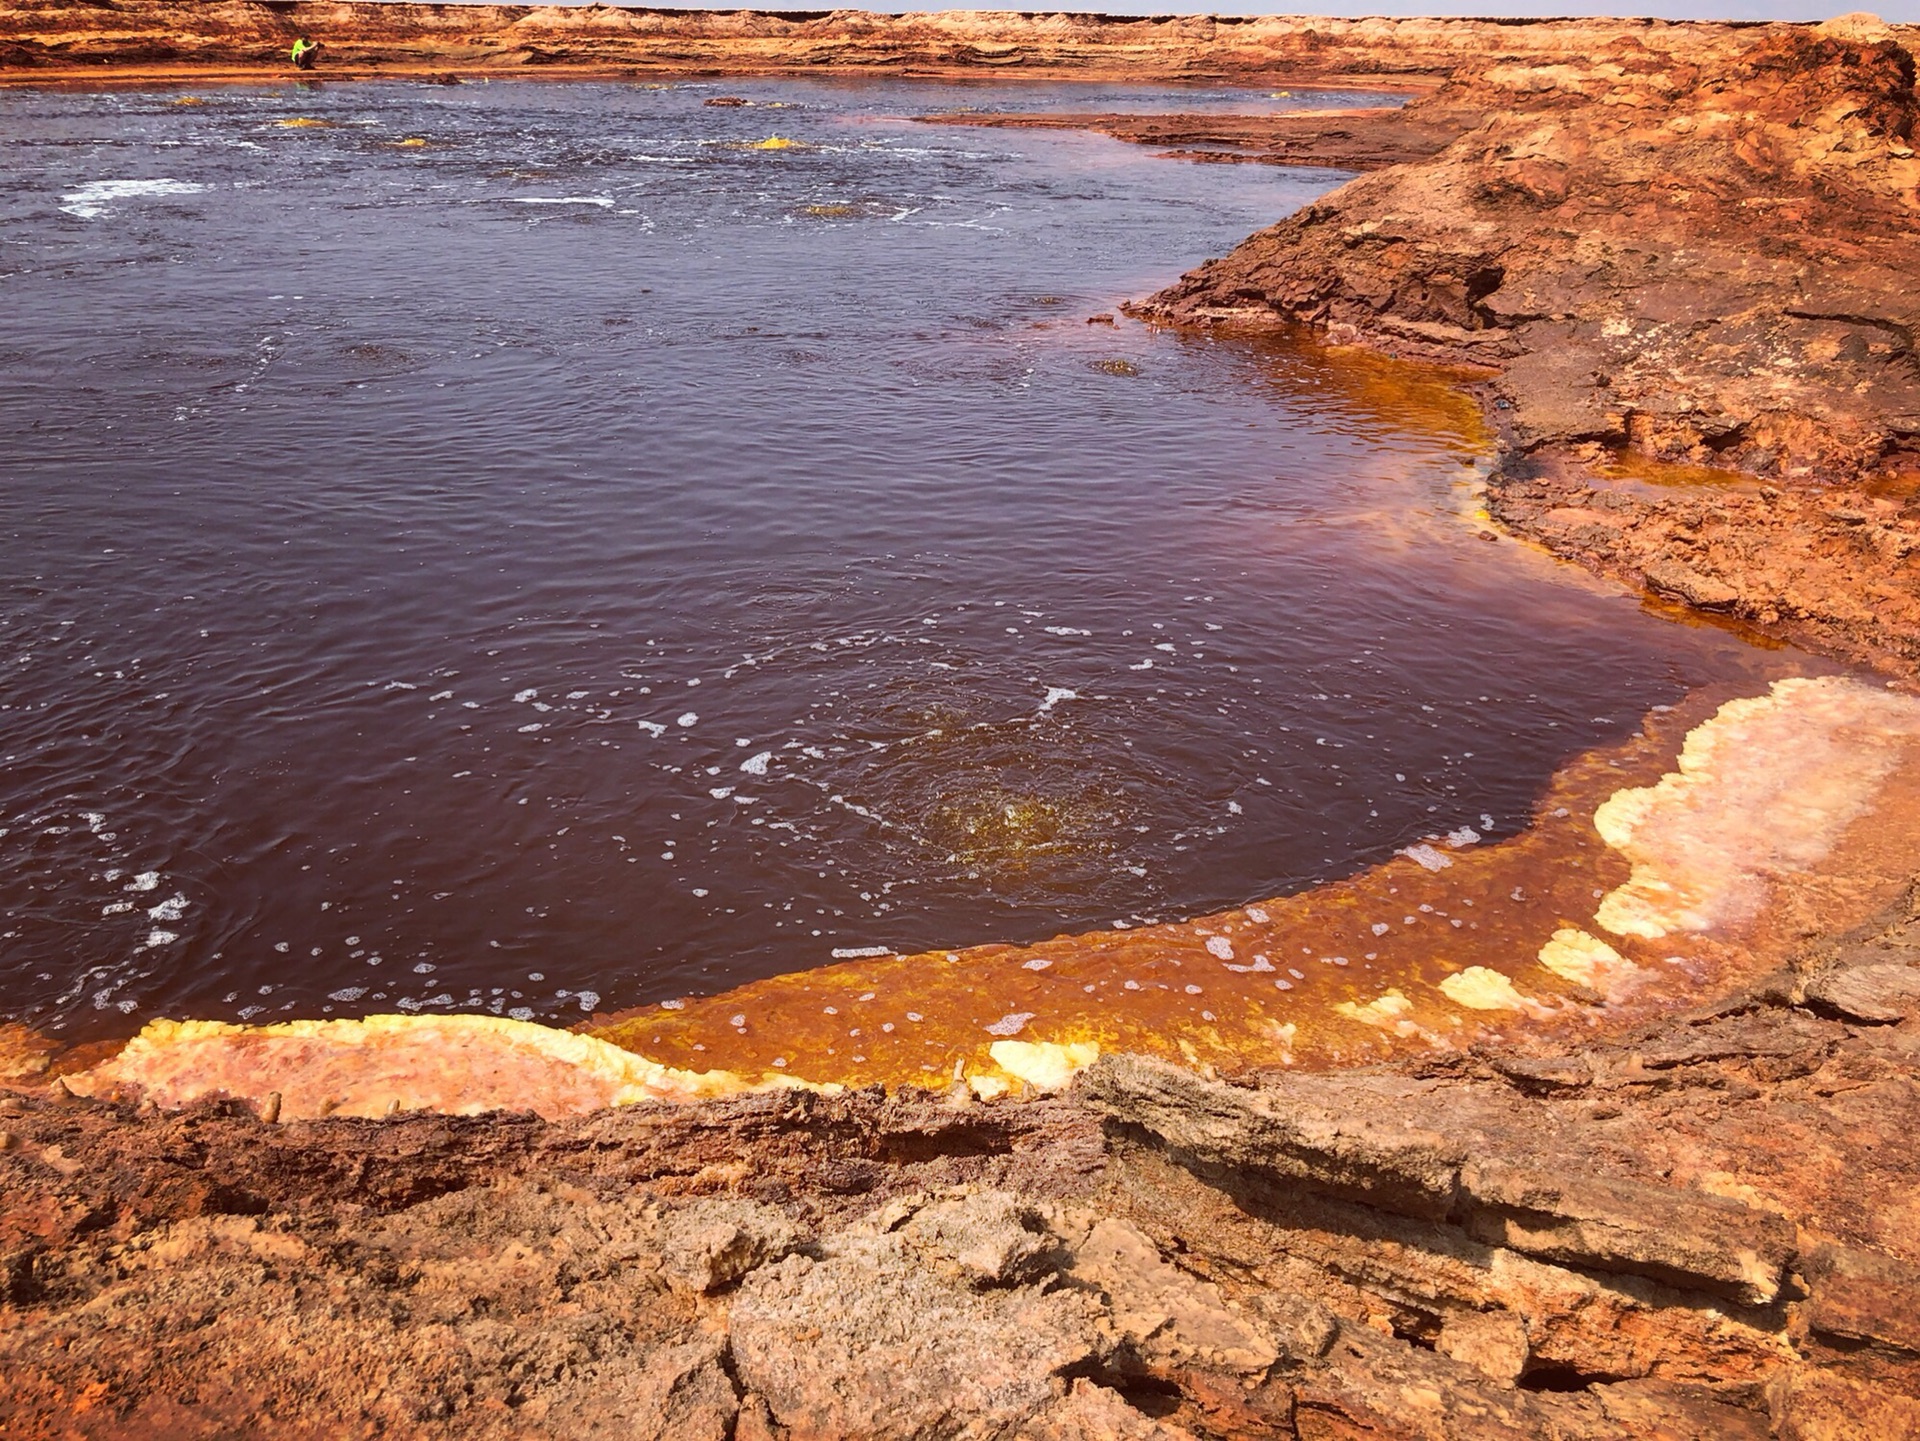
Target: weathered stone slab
(1880, 994)
(1283, 1131)
(1808, 1404)
(1682, 582)
(1093, 1413)
(1544, 1075)
(1867, 1295)
(1685, 1238)
(882, 1335)
(684, 1395)
(713, 1243)
(1168, 1317)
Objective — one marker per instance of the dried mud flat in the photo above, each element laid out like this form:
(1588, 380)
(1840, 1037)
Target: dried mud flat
(1678, 244)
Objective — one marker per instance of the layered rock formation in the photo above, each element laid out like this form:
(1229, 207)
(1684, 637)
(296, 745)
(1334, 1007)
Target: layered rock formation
(1698, 254)
(47, 34)
(1706, 1230)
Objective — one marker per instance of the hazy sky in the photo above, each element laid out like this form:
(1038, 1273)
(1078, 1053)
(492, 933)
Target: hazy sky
(1903, 11)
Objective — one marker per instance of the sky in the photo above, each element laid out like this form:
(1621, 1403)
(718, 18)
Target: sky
(1900, 11)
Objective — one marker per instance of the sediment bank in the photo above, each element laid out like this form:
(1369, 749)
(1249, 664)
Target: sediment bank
(1658, 245)
(140, 37)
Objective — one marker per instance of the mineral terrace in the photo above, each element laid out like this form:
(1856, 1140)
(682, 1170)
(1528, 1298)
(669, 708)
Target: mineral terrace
(1642, 1170)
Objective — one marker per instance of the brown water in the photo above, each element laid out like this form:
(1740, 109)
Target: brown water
(584, 560)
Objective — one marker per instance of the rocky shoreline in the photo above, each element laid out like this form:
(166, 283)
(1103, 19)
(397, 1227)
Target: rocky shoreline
(1678, 269)
(1706, 1229)
(1659, 246)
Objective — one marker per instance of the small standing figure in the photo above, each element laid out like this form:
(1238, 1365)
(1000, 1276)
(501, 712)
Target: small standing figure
(303, 50)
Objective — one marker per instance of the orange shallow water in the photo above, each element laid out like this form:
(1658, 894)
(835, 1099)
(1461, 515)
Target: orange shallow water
(1250, 986)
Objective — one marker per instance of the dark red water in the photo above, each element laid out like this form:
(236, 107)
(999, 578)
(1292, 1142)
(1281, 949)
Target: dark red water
(583, 559)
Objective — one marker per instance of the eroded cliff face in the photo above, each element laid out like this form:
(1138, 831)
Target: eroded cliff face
(248, 33)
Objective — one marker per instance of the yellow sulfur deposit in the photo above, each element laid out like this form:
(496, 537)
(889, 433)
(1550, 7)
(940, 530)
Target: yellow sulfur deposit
(1043, 1065)
(1480, 988)
(1761, 791)
(1390, 1011)
(461, 1065)
(775, 142)
(1584, 959)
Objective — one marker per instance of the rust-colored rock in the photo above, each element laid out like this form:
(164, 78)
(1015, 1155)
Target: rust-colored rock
(1683, 250)
(1351, 139)
(1690, 243)
(1712, 1234)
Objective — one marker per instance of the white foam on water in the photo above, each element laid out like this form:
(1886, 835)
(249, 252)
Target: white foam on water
(855, 953)
(605, 202)
(1011, 1024)
(91, 200)
(1056, 694)
(1426, 857)
(756, 765)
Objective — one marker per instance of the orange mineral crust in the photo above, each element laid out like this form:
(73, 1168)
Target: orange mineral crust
(1655, 875)
(1448, 944)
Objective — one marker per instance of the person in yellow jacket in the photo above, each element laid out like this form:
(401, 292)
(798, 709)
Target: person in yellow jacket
(303, 49)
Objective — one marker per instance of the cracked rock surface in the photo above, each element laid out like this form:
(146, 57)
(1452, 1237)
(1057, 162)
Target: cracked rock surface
(1705, 1229)
(1694, 249)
